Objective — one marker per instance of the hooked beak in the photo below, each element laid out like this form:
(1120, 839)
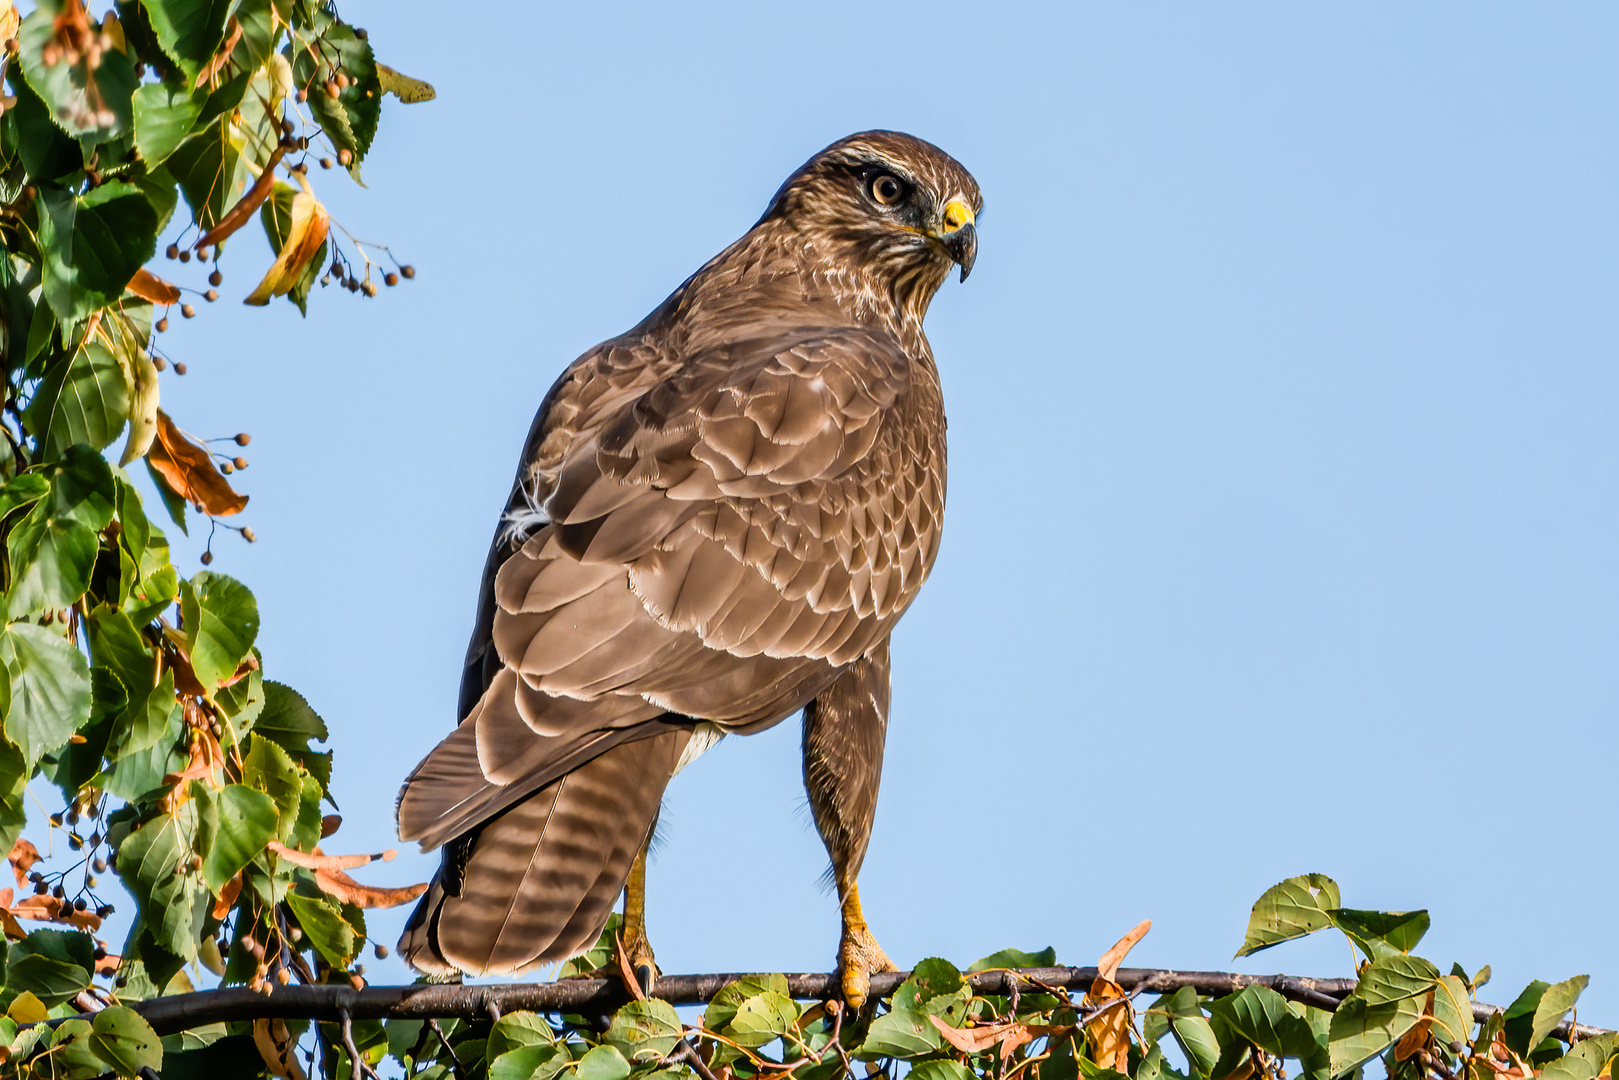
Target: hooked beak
(959, 235)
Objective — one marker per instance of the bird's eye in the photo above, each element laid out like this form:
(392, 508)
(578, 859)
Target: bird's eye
(887, 190)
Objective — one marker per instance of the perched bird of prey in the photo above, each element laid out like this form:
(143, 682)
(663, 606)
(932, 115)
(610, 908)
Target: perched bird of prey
(718, 518)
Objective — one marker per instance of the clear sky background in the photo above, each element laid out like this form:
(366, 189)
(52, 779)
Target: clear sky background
(1282, 520)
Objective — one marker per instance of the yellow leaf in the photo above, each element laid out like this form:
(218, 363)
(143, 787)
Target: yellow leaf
(406, 89)
(9, 20)
(304, 238)
(28, 1009)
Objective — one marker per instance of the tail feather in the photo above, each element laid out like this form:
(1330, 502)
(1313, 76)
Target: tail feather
(541, 878)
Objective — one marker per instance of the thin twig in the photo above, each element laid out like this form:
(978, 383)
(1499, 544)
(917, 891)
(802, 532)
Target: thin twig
(444, 1041)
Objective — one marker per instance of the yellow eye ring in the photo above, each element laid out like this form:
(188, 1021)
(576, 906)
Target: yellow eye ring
(887, 190)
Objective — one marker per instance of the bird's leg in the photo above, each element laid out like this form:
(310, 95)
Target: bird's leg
(859, 955)
(634, 950)
(844, 731)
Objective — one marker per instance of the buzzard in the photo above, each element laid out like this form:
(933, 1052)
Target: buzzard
(718, 518)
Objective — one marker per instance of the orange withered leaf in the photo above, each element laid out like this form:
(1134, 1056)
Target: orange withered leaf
(338, 884)
(238, 215)
(148, 286)
(189, 471)
(1007, 1034)
(23, 857)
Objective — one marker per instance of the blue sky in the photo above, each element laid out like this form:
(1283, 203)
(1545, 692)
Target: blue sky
(1282, 525)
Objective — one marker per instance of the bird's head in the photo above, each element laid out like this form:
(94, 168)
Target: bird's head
(889, 205)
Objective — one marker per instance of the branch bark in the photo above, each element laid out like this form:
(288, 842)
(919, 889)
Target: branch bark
(182, 1012)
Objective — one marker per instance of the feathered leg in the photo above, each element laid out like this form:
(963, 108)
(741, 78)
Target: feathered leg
(844, 731)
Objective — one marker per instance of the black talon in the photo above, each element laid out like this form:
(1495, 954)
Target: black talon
(644, 975)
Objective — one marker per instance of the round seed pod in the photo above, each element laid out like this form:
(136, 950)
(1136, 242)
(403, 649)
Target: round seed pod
(243, 438)
(407, 271)
(207, 558)
(240, 463)
(179, 367)
(211, 295)
(390, 279)
(216, 278)
(162, 324)
(187, 311)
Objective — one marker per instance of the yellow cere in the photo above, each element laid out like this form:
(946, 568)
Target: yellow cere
(957, 214)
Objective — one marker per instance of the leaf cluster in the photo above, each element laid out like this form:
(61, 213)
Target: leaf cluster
(138, 693)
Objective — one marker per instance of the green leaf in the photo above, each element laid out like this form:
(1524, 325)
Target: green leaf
(941, 1070)
(91, 105)
(1360, 1031)
(1452, 1010)
(21, 491)
(1015, 958)
(762, 1018)
(518, 1029)
(323, 924)
(1554, 1004)
(1586, 1061)
(647, 1029)
(533, 1063)
(248, 821)
(83, 398)
(51, 562)
(123, 1039)
(190, 31)
(603, 1062)
(53, 548)
(722, 1009)
(267, 768)
(1396, 977)
(1191, 1029)
(137, 775)
(1381, 933)
(154, 862)
(901, 1033)
(1288, 910)
(164, 115)
(221, 623)
(1261, 1016)
(53, 965)
(93, 244)
(46, 151)
(242, 701)
(288, 720)
(50, 689)
(350, 119)
(208, 167)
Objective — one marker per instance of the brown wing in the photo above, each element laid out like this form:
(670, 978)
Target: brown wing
(713, 540)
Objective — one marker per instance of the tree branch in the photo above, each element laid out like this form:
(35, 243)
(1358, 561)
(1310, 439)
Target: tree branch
(421, 1001)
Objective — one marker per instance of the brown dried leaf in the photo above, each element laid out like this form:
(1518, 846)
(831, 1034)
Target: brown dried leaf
(108, 964)
(1108, 965)
(148, 286)
(1007, 1034)
(278, 1049)
(1109, 1033)
(23, 857)
(189, 471)
(8, 922)
(49, 909)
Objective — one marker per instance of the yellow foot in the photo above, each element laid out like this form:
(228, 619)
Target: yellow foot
(635, 963)
(631, 963)
(859, 955)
